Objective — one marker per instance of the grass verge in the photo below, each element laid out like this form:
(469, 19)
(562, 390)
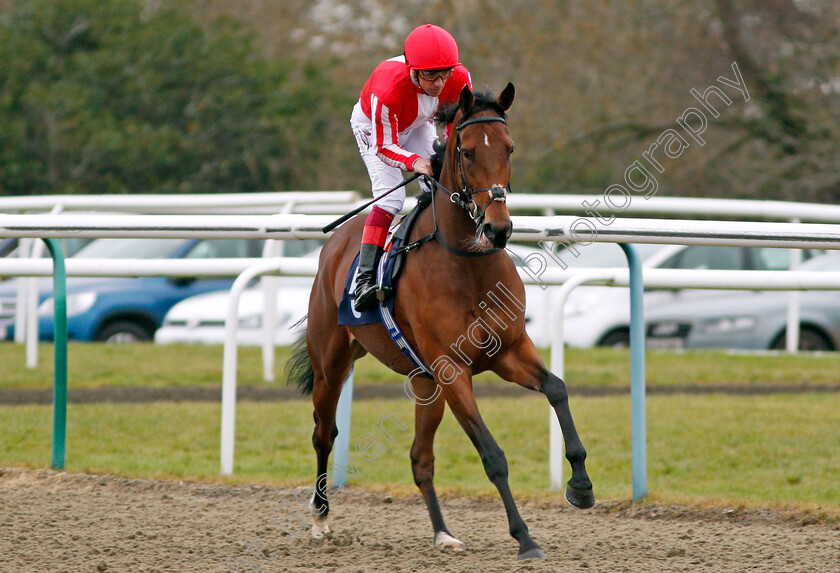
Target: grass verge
(94, 365)
(773, 451)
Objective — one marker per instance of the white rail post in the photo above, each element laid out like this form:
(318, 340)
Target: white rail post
(31, 319)
(343, 416)
(25, 247)
(556, 446)
(269, 289)
(32, 330)
(792, 333)
(229, 365)
(31, 312)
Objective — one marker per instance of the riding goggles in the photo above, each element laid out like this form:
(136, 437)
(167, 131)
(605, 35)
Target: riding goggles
(434, 75)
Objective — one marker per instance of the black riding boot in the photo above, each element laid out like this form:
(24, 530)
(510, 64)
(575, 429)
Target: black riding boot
(366, 287)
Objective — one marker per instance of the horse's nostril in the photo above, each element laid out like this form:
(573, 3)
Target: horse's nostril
(497, 235)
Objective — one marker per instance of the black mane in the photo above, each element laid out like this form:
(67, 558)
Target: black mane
(483, 101)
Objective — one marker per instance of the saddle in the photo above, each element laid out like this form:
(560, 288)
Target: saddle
(387, 272)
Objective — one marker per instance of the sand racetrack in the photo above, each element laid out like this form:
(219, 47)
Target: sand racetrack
(54, 521)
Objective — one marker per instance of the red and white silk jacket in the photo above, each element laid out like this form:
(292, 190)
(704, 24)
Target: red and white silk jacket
(393, 105)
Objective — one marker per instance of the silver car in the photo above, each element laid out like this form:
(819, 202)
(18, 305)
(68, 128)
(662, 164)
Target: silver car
(750, 320)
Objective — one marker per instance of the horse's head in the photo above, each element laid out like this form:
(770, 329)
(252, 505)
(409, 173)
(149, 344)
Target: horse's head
(480, 154)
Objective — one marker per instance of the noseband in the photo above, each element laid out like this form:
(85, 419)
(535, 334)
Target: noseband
(464, 199)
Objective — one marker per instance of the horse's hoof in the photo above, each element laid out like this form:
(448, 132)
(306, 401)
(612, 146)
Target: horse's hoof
(320, 528)
(444, 541)
(579, 498)
(533, 553)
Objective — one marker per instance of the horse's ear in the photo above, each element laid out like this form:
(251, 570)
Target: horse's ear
(505, 99)
(467, 100)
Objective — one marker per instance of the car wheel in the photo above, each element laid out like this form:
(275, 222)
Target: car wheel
(616, 339)
(122, 332)
(810, 339)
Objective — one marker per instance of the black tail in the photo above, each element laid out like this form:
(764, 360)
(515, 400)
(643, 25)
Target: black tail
(299, 367)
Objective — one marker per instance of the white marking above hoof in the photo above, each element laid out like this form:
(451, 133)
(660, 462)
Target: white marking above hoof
(320, 527)
(444, 541)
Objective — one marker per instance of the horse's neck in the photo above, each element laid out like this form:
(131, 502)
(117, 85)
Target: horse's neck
(453, 223)
(468, 280)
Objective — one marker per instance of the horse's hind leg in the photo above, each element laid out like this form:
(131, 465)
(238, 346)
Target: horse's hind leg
(325, 400)
(522, 364)
(428, 415)
(331, 365)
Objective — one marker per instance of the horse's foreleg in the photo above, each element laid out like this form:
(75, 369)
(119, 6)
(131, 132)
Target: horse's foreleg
(427, 419)
(579, 488)
(522, 364)
(463, 405)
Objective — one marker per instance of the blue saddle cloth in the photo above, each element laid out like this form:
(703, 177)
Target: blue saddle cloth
(347, 314)
(382, 312)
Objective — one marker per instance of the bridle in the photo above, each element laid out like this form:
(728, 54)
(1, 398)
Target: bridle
(464, 198)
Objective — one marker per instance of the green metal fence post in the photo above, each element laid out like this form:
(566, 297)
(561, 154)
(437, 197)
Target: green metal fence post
(60, 337)
(637, 374)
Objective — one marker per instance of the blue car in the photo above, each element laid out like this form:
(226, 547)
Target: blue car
(126, 309)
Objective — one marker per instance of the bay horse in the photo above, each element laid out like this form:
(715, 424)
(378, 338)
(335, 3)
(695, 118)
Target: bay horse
(452, 276)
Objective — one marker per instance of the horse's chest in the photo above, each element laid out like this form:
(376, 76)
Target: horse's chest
(480, 330)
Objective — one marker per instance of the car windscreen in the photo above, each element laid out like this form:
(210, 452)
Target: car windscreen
(131, 249)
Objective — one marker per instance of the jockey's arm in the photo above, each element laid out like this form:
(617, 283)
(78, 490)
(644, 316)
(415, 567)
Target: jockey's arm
(422, 165)
(385, 130)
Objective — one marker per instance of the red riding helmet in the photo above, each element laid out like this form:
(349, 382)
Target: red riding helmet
(431, 47)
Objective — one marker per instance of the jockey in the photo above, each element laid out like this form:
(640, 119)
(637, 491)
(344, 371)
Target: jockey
(393, 122)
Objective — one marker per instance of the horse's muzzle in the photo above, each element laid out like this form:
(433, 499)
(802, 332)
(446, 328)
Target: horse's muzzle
(498, 235)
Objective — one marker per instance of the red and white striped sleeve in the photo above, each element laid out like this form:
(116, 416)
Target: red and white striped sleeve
(385, 133)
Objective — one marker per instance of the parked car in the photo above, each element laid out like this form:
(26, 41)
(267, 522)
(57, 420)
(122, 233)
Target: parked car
(126, 309)
(750, 320)
(600, 316)
(201, 319)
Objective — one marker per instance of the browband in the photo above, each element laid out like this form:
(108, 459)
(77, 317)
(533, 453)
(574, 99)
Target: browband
(482, 119)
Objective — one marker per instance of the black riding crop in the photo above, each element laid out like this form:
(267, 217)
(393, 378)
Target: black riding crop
(343, 218)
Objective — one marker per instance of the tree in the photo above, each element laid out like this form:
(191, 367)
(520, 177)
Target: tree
(105, 96)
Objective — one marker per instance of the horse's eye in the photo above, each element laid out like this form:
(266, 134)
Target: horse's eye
(467, 154)
(511, 150)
